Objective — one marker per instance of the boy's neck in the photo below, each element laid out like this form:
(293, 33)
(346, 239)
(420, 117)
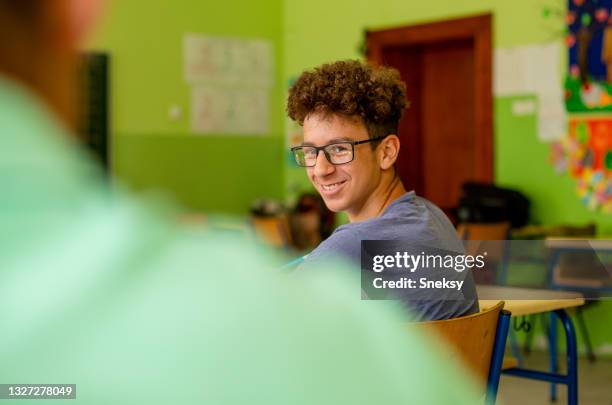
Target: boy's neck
(382, 197)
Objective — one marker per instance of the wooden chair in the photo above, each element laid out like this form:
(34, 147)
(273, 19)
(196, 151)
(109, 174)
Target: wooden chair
(484, 231)
(475, 236)
(478, 341)
(273, 230)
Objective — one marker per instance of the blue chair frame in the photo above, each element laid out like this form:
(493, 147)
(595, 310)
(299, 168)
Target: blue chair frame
(497, 358)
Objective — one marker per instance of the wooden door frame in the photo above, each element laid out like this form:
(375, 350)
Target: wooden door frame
(476, 28)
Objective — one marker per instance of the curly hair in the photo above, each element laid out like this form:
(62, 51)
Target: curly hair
(351, 88)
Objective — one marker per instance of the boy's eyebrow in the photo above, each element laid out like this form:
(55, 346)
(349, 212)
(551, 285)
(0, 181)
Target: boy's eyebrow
(335, 140)
(342, 139)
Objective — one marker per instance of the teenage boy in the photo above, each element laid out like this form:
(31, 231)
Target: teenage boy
(350, 113)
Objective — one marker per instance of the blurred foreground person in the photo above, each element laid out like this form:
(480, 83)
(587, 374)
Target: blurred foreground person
(100, 291)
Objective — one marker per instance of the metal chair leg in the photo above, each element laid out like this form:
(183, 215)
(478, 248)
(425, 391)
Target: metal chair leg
(514, 347)
(529, 335)
(552, 349)
(572, 357)
(585, 335)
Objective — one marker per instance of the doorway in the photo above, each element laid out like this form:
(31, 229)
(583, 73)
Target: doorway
(447, 131)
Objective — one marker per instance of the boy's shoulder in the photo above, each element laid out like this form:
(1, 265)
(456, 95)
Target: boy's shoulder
(410, 218)
(344, 242)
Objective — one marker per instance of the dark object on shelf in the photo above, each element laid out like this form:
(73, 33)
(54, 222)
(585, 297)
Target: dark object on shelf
(95, 97)
(486, 203)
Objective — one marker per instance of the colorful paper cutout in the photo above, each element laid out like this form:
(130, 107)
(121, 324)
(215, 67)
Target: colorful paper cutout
(586, 154)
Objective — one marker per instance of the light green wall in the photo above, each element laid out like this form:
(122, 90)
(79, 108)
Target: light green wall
(317, 31)
(212, 173)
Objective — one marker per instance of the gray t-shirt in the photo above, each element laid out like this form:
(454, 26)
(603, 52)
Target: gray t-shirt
(413, 219)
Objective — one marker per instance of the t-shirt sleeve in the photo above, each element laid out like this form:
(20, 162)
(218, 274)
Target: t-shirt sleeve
(344, 245)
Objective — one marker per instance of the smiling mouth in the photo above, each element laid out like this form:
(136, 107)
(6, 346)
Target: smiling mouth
(332, 187)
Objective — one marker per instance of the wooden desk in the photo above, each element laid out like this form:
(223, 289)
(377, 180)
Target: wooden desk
(579, 243)
(525, 301)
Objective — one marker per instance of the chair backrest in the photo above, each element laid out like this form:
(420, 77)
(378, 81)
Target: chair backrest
(471, 338)
(273, 230)
(484, 231)
(475, 236)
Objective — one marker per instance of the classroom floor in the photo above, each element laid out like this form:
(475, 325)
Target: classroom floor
(594, 384)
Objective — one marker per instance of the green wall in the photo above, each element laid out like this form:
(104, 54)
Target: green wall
(223, 172)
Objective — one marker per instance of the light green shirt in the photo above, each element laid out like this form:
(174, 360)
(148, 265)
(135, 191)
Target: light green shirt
(99, 290)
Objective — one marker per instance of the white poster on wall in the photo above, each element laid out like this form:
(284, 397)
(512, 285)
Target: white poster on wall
(534, 69)
(228, 61)
(230, 81)
(219, 110)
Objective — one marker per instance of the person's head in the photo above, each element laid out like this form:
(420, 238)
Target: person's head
(38, 46)
(355, 102)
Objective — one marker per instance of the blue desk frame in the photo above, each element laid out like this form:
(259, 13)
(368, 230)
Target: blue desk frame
(571, 378)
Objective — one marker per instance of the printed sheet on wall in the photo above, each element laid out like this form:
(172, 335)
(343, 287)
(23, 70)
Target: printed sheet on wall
(230, 81)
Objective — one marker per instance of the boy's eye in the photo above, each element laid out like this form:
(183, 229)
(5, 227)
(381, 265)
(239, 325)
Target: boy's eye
(338, 149)
(310, 152)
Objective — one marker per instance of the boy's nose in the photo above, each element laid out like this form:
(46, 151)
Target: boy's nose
(322, 165)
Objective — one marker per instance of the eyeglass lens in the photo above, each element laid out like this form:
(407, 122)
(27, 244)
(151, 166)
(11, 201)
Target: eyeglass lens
(337, 154)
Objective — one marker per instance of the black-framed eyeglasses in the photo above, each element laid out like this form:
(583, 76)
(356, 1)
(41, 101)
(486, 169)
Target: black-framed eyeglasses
(337, 153)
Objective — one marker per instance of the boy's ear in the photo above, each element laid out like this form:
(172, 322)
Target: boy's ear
(388, 151)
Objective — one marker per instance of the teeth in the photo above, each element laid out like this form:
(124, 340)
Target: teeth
(330, 187)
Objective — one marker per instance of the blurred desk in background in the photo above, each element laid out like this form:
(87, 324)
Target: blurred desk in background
(545, 231)
(581, 265)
